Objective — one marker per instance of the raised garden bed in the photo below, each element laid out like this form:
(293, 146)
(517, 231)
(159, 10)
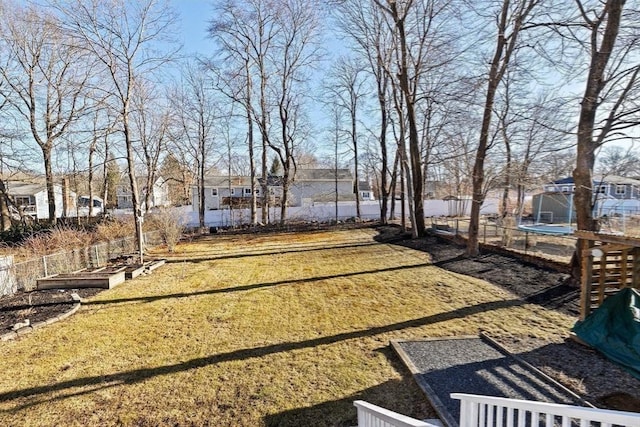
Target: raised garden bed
(105, 278)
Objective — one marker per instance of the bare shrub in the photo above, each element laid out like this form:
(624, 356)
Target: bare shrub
(170, 225)
(57, 239)
(114, 229)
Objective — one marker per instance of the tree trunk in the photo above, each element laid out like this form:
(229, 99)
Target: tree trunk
(384, 189)
(354, 141)
(393, 187)
(48, 172)
(586, 147)
(416, 183)
(135, 195)
(495, 76)
(5, 216)
(252, 160)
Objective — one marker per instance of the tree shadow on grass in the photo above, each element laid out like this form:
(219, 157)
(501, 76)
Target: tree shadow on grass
(402, 396)
(80, 386)
(253, 286)
(285, 250)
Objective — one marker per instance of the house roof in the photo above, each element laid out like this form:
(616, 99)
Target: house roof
(226, 181)
(272, 181)
(567, 180)
(364, 186)
(601, 179)
(323, 175)
(20, 188)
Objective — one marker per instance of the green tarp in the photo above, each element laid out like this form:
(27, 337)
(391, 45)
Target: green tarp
(614, 329)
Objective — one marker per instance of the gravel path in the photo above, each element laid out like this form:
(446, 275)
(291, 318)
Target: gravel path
(472, 365)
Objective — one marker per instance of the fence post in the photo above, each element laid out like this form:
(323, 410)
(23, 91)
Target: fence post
(484, 237)
(44, 263)
(457, 226)
(526, 241)
(8, 282)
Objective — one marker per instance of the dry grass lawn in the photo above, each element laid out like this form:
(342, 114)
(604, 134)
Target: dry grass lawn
(284, 329)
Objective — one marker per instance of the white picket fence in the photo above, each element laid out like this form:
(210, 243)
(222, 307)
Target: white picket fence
(487, 411)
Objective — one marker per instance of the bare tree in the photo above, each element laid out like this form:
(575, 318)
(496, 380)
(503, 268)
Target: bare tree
(347, 84)
(151, 117)
(246, 33)
(123, 36)
(297, 49)
(194, 125)
(618, 160)
(510, 20)
(609, 107)
(424, 46)
(364, 23)
(44, 80)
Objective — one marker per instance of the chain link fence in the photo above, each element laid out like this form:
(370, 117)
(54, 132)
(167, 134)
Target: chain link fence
(27, 272)
(555, 247)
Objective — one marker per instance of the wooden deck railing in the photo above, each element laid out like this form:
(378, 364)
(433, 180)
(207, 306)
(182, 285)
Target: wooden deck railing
(476, 411)
(370, 415)
(487, 411)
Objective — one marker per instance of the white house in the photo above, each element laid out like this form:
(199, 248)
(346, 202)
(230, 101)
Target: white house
(365, 192)
(159, 193)
(31, 199)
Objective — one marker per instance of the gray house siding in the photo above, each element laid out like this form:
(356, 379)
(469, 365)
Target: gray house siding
(553, 208)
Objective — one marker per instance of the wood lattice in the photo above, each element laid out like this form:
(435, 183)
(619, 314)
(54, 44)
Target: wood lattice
(609, 263)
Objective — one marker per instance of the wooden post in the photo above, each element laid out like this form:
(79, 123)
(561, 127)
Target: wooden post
(585, 278)
(601, 279)
(624, 260)
(635, 275)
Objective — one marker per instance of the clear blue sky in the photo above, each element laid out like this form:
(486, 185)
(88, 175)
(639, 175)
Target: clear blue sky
(194, 20)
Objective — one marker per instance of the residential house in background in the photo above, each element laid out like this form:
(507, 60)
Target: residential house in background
(365, 192)
(613, 195)
(31, 199)
(84, 206)
(221, 192)
(309, 186)
(319, 185)
(274, 190)
(159, 193)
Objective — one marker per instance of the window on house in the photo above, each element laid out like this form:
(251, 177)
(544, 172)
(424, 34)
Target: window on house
(573, 188)
(620, 189)
(247, 191)
(24, 201)
(365, 194)
(602, 189)
(214, 191)
(233, 191)
(565, 189)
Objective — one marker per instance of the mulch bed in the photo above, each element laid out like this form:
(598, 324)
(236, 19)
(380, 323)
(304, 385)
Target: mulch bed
(38, 306)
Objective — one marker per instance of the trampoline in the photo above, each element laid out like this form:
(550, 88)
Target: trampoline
(549, 229)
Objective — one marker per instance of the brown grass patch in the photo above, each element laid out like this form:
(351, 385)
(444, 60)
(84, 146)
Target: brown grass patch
(284, 330)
